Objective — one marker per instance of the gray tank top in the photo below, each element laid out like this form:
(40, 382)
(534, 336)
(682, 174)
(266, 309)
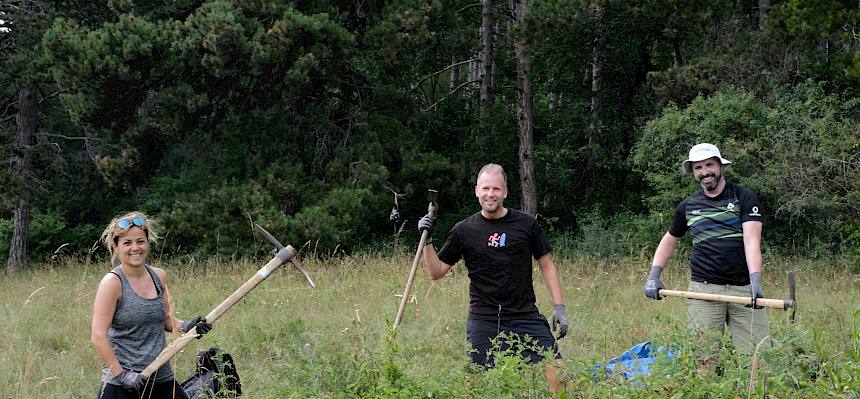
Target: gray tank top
(137, 330)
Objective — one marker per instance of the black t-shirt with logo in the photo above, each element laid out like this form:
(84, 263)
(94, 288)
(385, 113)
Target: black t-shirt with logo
(715, 225)
(498, 255)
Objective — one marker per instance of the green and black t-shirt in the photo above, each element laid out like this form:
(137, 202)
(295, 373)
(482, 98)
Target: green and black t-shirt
(498, 255)
(716, 227)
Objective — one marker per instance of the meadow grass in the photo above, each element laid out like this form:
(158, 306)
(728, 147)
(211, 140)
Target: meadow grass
(289, 340)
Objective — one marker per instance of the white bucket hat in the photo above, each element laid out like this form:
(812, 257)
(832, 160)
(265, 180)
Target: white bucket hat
(701, 152)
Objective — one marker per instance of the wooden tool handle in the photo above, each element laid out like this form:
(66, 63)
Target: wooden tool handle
(405, 299)
(743, 300)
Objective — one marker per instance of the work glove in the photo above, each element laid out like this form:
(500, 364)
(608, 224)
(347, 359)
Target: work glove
(426, 223)
(131, 380)
(653, 285)
(200, 322)
(755, 289)
(559, 321)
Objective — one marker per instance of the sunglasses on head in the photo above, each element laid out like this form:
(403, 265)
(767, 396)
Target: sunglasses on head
(126, 223)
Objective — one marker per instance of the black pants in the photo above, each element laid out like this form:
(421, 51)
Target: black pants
(164, 390)
(479, 333)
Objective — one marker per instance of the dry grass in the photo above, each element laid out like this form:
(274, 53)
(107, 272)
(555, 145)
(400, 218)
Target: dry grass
(288, 338)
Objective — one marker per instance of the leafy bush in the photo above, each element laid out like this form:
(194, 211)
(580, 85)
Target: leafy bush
(48, 235)
(622, 235)
(798, 150)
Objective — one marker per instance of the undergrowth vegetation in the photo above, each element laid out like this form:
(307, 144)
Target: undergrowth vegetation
(290, 341)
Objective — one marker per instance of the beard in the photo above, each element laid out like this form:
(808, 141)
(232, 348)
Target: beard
(491, 207)
(710, 186)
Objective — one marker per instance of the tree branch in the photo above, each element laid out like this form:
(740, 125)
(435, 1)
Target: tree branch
(450, 94)
(464, 8)
(418, 84)
(60, 136)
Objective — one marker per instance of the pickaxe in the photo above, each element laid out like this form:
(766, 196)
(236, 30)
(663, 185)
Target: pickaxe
(432, 195)
(784, 304)
(279, 246)
(285, 254)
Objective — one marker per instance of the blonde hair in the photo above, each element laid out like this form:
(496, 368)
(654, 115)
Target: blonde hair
(110, 236)
(491, 168)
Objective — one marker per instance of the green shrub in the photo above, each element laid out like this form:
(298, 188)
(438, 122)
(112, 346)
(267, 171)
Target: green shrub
(48, 235)
(798, 150)
(622, 235)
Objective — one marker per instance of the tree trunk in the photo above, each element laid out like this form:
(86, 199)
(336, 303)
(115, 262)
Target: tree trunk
(22, 168)
(763, 10)
(486, 57)
(475, 66)
(525, 119)
(455, 76)
(677, 52)
(596, 64)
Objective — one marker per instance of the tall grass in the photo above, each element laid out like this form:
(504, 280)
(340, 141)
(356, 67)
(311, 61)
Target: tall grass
(335, 341)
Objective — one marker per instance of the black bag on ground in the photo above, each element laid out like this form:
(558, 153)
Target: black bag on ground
(216, 376)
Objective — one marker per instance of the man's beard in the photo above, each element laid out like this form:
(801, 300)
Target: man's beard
(713, 184)
(491, 208)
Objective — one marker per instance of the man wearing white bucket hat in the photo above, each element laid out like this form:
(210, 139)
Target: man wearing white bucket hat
(724, 220)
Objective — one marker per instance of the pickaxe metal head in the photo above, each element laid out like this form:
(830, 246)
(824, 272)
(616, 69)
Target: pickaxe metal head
(792, 291)
(432, 196)
(295, 260)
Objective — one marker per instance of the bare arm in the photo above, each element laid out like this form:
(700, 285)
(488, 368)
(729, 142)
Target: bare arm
(436, 269)
(550, 276)
(665, 250)
(171, 323)
(104, 307)
(752, 245)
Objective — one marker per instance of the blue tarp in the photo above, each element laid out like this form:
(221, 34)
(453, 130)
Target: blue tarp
(636, 361)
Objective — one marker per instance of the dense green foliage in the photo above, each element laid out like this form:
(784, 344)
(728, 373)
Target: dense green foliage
(313, 117)
(798, 151)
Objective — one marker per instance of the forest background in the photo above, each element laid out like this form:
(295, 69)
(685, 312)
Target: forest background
(316, 118)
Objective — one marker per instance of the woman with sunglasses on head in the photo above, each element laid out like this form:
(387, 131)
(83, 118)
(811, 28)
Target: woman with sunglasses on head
(132, 311)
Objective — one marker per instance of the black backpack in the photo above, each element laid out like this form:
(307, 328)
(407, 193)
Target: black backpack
(216, 376)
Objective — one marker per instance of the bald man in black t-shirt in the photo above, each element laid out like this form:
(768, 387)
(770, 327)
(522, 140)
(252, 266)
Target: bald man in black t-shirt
(497, 245)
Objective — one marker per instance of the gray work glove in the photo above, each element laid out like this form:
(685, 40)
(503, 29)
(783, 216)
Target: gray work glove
(131, 380)
(559, 321)
(426, 223)
(200, 322)
(755, 289)
(653, 285)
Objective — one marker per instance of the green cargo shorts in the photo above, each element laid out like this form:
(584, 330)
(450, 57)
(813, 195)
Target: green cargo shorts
(748, 326)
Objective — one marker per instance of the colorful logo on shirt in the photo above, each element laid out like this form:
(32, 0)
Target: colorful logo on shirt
(496, 240)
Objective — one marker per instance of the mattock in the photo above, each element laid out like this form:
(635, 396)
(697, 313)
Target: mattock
(784, 304)
(295, 261)
(284, 254)
(432, 208)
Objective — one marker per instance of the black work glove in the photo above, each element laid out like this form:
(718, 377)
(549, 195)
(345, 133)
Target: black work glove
(755, 289)
(653, 285)
(200, 322)
(426, 223)
(131, 380)
(559, 321)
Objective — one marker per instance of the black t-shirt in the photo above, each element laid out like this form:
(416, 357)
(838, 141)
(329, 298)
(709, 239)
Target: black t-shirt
(716, 227)
(498, 255)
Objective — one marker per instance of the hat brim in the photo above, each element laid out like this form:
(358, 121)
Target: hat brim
(687, 168)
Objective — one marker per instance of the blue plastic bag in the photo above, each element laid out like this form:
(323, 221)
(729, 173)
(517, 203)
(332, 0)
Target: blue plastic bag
(636, 361)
